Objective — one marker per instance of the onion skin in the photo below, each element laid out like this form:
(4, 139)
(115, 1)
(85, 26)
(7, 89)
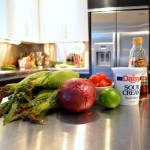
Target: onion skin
(77, 94)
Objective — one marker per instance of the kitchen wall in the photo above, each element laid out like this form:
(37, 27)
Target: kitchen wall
(10, 53)
(60, 51)
(50, 49)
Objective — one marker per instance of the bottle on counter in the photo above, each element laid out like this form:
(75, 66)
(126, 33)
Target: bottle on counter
(137, 58)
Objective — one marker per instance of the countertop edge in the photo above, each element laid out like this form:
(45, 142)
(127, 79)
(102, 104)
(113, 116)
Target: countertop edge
(16, 74)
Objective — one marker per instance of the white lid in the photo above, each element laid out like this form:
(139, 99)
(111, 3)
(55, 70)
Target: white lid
(127, 69)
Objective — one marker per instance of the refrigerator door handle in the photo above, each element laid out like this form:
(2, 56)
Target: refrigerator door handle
(114, 61)
(118, 49)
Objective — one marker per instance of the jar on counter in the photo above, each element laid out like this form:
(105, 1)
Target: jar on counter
(137, 58)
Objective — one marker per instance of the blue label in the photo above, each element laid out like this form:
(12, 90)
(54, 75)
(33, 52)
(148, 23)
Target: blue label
(119, 78)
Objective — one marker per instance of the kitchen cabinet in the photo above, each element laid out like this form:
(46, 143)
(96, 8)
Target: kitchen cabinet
(3, 19)
(63, 21)
(77, 20)
(50, 15)
(116, 3)
(22, 19)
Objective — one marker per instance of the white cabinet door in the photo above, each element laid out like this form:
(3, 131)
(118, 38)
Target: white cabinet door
(22, 16)
(63, 21)
(3, 19)
(77, 20)
(16, 19)
(51, 17)
(32, 22)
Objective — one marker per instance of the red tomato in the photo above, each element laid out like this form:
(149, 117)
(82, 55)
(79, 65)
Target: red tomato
(101, 75)
(103, 83)
(95, 80)
(109, 80)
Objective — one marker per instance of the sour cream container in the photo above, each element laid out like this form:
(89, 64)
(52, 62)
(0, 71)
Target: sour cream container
(128, 81)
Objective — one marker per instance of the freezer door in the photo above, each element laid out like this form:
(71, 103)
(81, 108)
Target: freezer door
(103, 30)
(130, 24)
(103, 26)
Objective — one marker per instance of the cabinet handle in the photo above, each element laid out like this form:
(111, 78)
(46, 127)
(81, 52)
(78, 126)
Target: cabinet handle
(62, 34)
(26, 29)
(65, 32)
(62, 31)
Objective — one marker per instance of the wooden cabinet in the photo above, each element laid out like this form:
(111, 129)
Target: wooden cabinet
(3, 19)
(63, 21)
(22, 16)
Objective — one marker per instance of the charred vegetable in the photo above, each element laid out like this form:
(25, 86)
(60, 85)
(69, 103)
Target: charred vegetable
(32, 111)
(32, 97)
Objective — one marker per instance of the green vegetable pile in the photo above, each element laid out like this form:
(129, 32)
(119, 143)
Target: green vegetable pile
(8, 67)
(34, 96)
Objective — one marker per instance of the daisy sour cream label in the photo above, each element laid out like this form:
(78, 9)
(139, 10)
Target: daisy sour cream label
(128, 82)
(129, 89)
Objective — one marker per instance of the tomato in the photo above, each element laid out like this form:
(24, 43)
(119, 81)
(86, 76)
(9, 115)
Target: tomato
(95, 80)
(103, 83)
(109, 80)
(100, 80)
(101, 75)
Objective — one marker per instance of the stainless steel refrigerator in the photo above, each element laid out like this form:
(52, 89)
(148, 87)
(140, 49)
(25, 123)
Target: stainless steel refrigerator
(111, 34)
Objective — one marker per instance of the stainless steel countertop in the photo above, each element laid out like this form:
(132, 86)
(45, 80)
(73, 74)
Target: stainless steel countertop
(125, 128)
(15, 74)
(78, 70)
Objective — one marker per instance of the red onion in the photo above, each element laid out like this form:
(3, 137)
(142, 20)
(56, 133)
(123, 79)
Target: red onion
(77, 94)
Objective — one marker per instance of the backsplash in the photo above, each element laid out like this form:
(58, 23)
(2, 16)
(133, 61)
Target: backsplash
(11, 53)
